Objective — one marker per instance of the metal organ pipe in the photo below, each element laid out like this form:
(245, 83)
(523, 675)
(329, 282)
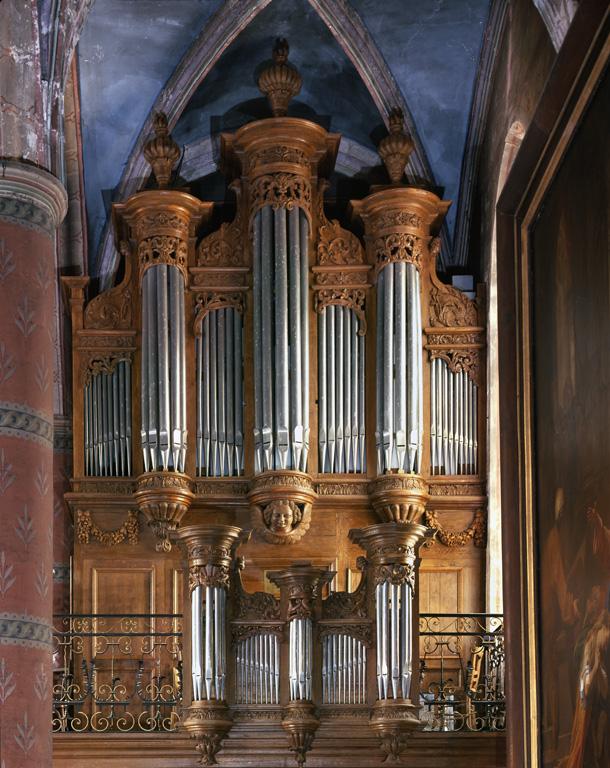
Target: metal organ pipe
(107, 422)
(341, 428)
(220, 393)
(453, 420)
(399, 416)
(394, 622)
(208, 642)
(281, 338)
(163, 389)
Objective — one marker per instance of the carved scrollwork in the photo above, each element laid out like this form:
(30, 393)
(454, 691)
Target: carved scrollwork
(476, 531)
(396, 247)
(224, 247)
(354, 298)
(111, 310)
(337, 246)
(258, 605)
(398, 218)
(460, 360)
(161, 220)
(451, 308)
(242, 631)
(361, 632)
(395, 573)
(282, 521)
(278, 153)
(340, 278)
(87, 529)
(106, 364)
(163, 249)
(348, 605)
(280, 190)
(209, 301)
(456, 489)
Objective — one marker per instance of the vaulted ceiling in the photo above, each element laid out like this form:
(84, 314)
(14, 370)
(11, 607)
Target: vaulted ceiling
(196, 59)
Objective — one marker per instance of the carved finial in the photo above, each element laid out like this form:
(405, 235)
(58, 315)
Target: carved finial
(395, 149)
(280, 81)
(162, 152)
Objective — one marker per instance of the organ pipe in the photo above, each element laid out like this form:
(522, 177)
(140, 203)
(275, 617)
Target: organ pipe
(281, 339)
(163, 387)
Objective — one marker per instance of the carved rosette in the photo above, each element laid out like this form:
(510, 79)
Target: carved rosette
(399, 497)
(280, 505)
(164, 498)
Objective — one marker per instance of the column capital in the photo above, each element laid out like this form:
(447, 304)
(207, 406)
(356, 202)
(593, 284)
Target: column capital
(31, 196)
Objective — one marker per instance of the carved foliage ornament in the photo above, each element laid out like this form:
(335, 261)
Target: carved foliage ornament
(86, 530)
(112, 310)
(168, 222)
(460, 360)
(278, 153)
(338, 246)
(209, 301)
(476, 531)
(106, 364)
(397, 247)
(395, 573)
(451, 308)
(223, 247)
(163, 249)
(354, 298)
(282, 521)
(208, 576)
(280, 190)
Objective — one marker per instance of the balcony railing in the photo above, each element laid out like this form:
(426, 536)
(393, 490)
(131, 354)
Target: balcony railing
(116, 673)
(462, 672)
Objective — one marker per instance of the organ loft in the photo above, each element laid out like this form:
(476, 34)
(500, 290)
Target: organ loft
(278, 459)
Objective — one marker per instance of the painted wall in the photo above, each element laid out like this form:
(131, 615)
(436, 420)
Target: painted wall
(571, 344)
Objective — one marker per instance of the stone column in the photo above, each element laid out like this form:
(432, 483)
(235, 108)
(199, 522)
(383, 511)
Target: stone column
(32, 205)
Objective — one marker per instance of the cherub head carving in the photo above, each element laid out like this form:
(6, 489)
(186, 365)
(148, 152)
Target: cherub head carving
(282, 521)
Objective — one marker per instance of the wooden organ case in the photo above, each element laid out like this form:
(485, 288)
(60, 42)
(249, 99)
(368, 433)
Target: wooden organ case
(298, 418)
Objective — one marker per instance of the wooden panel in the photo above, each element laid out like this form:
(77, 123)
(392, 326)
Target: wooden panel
(440, 590)
(126, 589)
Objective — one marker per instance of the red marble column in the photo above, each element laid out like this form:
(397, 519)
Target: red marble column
(32, 204)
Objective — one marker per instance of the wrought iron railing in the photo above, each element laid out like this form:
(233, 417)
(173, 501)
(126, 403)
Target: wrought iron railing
(116, 673)
(462, 672)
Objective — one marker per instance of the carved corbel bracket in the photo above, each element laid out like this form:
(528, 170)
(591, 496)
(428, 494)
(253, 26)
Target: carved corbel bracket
(392, 720)
(300, 723)
(207, 722)
(399, 497)
(280, 503)
(164, 498)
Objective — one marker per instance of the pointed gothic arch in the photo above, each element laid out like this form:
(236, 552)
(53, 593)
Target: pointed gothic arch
(221, 30)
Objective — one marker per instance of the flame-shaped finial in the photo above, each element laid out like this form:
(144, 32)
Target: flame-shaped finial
(280, 81)
(395, 149)
(161, 152)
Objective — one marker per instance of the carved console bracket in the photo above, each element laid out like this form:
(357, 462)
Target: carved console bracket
(207, 723)
(163, 498)
(399, 497)
(280, 502)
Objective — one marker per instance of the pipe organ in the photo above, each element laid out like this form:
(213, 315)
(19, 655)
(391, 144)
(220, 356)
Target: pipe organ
(283, 389)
